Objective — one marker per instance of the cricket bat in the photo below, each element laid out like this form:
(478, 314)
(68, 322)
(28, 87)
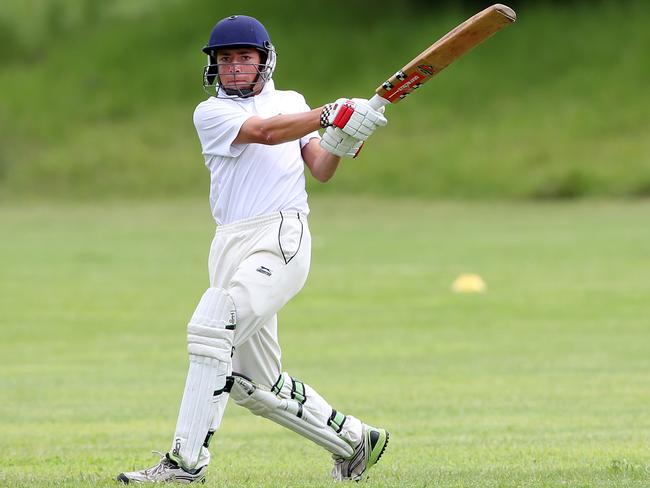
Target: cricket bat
(442, 53)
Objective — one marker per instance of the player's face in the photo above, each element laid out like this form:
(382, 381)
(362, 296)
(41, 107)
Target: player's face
(238, 68)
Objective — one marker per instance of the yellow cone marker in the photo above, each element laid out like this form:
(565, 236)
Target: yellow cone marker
(469, 283)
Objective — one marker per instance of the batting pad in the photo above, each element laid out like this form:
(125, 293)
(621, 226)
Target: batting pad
(289, 413)
(210, 338)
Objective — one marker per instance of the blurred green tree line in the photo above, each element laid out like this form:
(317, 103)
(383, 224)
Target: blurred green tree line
(97, 97)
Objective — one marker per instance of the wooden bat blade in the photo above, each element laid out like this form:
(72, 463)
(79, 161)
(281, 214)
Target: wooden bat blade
(444, 52)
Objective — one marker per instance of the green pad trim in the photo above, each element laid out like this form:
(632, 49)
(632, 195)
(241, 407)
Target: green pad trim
(298, 390)
(336, 421)
(278, 385)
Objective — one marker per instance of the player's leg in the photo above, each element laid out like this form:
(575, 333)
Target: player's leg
(303, 416)
(210, 339)
(256, 296)
(298, 407)
(260, 357)
(262, 284)
(367, 443)
(355, 446)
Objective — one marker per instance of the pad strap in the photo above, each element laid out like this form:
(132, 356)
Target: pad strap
(298, 391)
(277, 387)
(336, 421)
(289, 413)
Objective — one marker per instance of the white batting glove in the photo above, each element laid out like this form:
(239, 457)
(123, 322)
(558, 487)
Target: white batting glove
(340, 144)
(355, 117)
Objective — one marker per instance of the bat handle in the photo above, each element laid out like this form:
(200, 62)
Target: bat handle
(377, 102)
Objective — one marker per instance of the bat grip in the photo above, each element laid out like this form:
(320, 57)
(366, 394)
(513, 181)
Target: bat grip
(377, 102)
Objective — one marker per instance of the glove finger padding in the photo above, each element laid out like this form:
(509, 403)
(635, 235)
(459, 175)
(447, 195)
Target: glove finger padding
(335, 141)
(381, 109)
(354, 117)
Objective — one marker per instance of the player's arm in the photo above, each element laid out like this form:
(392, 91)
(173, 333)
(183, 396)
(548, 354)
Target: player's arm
(321, 163)
(353, 117)
(348, 124)
(279, 128)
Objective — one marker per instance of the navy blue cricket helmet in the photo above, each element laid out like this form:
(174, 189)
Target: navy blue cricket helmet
(239, 31)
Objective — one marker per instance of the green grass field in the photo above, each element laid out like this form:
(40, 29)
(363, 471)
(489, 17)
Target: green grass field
(542, 381)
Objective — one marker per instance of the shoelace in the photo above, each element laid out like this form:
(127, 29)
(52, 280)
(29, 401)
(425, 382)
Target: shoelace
(162, 465)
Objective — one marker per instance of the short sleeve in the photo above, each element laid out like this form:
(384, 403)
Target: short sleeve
(217, 125)
(312, 135)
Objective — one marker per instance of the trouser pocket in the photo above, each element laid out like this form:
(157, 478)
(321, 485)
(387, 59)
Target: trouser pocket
(290, 235)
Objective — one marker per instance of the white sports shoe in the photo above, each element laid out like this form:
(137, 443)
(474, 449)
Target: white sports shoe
(366, 454)
(167, 470)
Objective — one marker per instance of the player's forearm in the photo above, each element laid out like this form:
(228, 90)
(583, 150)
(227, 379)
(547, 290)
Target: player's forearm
(279, 128)
(324, 165)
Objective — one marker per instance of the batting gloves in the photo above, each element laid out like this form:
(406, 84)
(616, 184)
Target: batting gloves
(354, 117)
(340, 144)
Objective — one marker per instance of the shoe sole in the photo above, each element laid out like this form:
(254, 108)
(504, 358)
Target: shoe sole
(383, 449)
(122, 478)
(364, 475)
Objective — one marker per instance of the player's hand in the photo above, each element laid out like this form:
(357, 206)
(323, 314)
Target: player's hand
(340, 144)
(354, 117)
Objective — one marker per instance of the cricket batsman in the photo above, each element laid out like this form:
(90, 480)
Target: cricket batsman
(256, 141)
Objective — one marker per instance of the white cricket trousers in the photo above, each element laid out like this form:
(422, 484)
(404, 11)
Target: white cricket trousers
(262, 262)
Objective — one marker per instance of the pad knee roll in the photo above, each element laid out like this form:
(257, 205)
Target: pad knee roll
(210, 331)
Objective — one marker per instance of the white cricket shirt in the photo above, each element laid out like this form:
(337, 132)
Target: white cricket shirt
(249, 180)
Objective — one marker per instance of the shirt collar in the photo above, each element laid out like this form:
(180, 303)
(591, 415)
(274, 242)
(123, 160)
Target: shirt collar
(269, 87)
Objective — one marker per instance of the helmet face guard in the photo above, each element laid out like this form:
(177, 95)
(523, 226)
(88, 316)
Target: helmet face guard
(238, 31)
(213, 86)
